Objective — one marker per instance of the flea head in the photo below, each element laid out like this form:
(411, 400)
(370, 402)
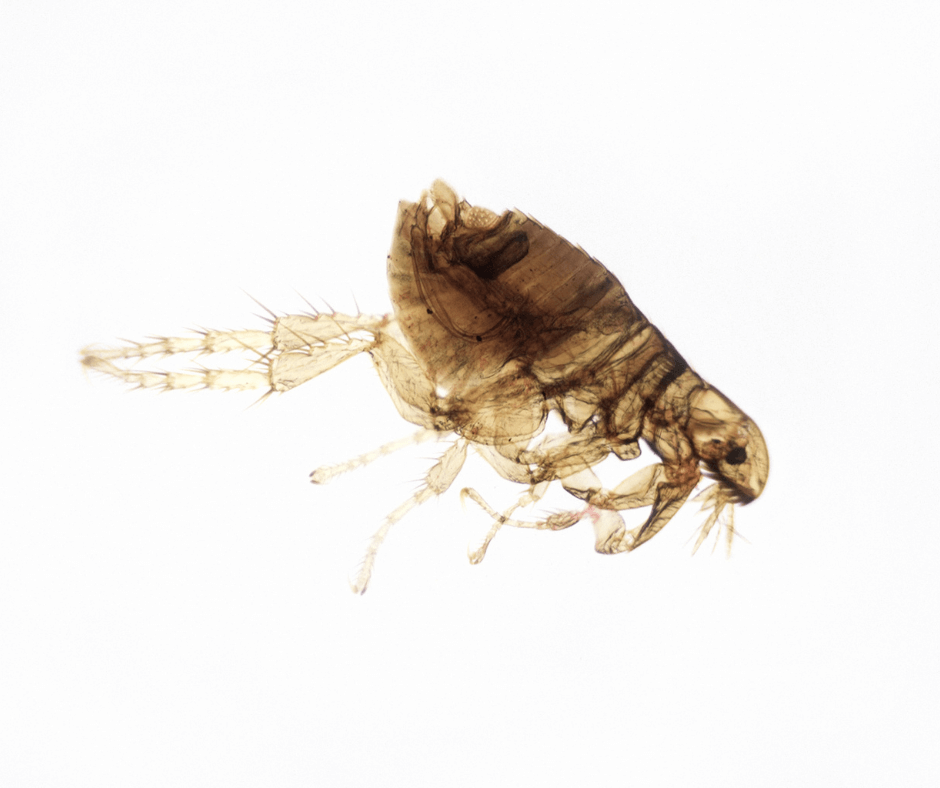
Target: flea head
(728, 443)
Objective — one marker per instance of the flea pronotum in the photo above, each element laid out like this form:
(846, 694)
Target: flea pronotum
(498, 322)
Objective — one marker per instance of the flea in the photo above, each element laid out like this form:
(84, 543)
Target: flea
(497, 323)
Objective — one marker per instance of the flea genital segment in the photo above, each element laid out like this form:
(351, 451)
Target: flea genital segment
(497, 322)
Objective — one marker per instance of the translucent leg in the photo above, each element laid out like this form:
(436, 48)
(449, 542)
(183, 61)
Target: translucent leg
(439, 478)
(530, 496)
(325, 473)
(295, 350)
(647, 487)
(609, 528)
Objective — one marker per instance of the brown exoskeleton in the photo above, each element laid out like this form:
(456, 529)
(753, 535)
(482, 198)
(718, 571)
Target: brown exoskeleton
(497, 322)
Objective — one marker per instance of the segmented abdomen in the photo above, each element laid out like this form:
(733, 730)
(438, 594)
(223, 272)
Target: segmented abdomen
(491, 301)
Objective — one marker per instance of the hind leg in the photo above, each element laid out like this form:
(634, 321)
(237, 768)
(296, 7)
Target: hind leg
(298, 348)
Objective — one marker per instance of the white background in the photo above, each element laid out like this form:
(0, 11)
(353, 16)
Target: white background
(764, 178)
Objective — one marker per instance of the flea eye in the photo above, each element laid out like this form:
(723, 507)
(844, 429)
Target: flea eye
(736, 456)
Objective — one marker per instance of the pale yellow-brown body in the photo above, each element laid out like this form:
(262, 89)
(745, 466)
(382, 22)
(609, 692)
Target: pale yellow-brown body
(498, 321)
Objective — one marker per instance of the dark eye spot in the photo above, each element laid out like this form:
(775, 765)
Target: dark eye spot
(479, 339)
(736, 456)
(430, 311)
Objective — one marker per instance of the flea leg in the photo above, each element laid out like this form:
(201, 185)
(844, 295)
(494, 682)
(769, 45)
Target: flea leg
(649, 486)
(168, 381)
(646, 487)
(530, 496)
(636, 491)
(292, 332)
(325, 473)
(667, 500)
(559, 456)
(554, 522)
(257, 344)
(409, 387)
(297, 349)
(439, 478)
(203, 342)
